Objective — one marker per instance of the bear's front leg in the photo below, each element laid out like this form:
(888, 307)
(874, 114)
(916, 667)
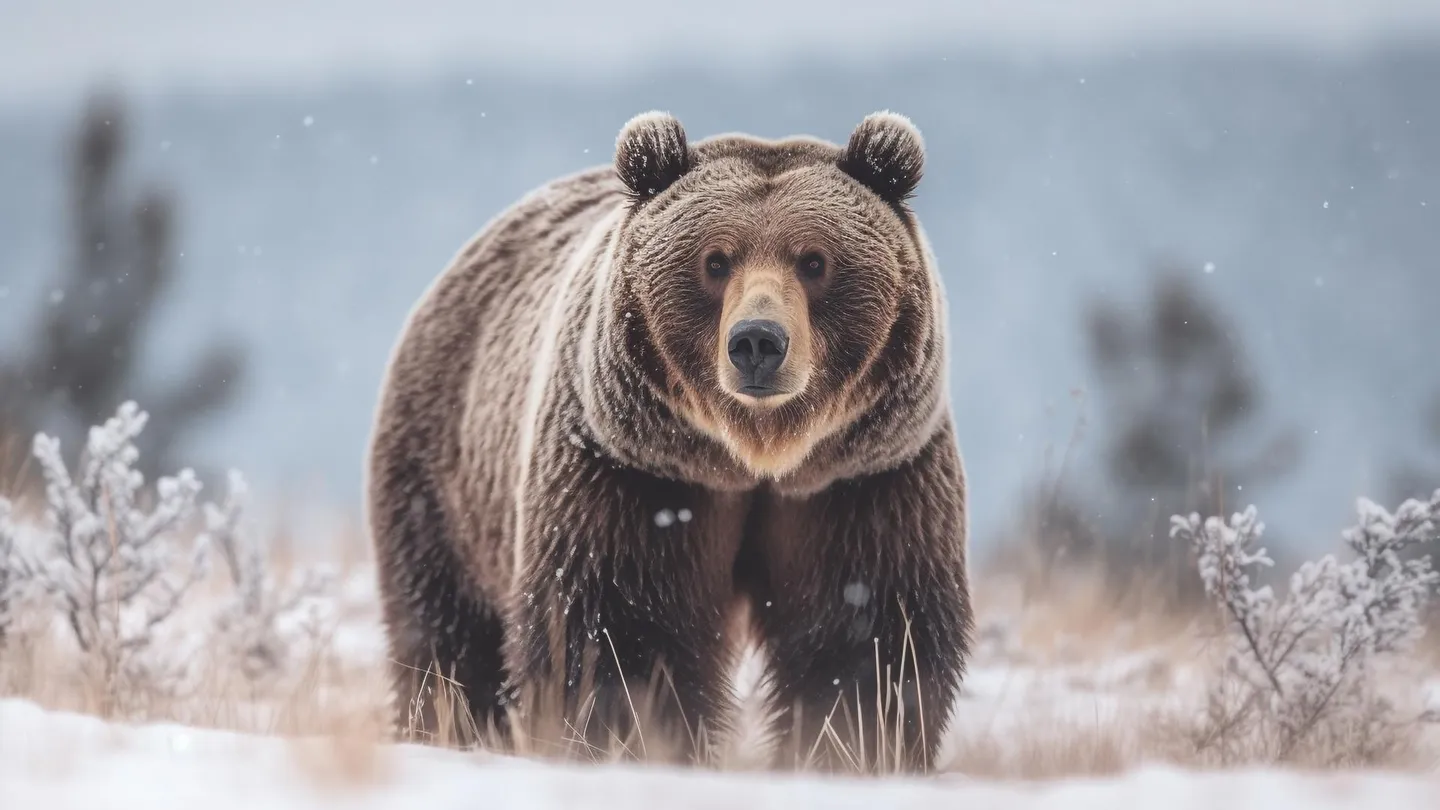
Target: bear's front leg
(867, 615)
(615, 636)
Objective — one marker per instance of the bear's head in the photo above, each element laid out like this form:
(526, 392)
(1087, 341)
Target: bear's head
(775, 292)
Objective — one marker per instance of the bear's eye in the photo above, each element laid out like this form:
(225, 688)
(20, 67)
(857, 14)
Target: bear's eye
(717, 265)
(812, 266)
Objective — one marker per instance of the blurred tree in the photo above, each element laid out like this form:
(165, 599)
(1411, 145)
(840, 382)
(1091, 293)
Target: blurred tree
(1177, 411)
(82, 359)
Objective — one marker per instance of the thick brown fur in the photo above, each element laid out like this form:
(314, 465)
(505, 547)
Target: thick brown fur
(568, 495)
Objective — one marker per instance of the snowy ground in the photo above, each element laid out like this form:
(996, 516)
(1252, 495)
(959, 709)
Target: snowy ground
(1059, 709)
(1015, 706)
(57, 761)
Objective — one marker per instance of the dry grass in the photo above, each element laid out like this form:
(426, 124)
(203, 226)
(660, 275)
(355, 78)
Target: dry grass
(323, 696)
(327, 695)
(1063, 746)
(15, 461)
(1080, 618)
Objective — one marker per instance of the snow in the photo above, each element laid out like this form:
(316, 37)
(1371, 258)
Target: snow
(56, 761)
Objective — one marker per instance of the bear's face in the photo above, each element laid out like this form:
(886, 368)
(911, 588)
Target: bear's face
(769, 276)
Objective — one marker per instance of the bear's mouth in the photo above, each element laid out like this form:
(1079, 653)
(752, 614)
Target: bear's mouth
(759, 391)
(765, 394)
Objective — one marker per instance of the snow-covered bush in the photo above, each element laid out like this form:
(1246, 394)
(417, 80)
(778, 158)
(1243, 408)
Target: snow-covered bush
(116, 569)
(1307, 660)
(252, 627)
(18, 585)
(11, 572)
(116, 562)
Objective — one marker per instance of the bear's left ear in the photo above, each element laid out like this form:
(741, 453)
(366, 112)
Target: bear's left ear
(651, 154)
(887, 154)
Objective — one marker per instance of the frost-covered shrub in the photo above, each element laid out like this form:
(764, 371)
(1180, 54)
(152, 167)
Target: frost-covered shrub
(116, 569)
(13, 572)
(253, 625)
(18, 586)
(1307, 659)
(116, 563)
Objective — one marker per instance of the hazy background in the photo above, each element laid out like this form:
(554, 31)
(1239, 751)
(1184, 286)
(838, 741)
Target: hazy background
(327, 159)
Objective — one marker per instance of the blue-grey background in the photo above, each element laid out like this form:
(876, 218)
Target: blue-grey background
(330, 158)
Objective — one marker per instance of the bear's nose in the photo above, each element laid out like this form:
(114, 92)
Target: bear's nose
(757, 348)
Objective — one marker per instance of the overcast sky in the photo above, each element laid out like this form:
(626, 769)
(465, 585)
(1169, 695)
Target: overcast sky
(59, 45)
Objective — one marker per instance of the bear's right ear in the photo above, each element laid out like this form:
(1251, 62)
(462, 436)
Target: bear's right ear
(651, 154)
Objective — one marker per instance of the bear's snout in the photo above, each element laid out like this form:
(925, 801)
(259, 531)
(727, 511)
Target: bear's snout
(757, 349)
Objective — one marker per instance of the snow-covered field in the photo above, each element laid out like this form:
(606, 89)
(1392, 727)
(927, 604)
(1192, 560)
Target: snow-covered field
(1038, 703)
(58, 761)
(1053, 717)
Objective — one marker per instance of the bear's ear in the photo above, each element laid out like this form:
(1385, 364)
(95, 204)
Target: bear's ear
(651, 154)
(887, 154)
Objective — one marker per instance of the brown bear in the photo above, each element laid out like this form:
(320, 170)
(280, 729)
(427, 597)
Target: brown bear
(705, 382)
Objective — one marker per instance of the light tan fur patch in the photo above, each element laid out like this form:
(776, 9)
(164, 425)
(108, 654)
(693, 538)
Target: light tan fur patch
(542, 371)
(770, 291)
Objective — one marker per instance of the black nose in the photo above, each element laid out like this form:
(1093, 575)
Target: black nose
(757, 348)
